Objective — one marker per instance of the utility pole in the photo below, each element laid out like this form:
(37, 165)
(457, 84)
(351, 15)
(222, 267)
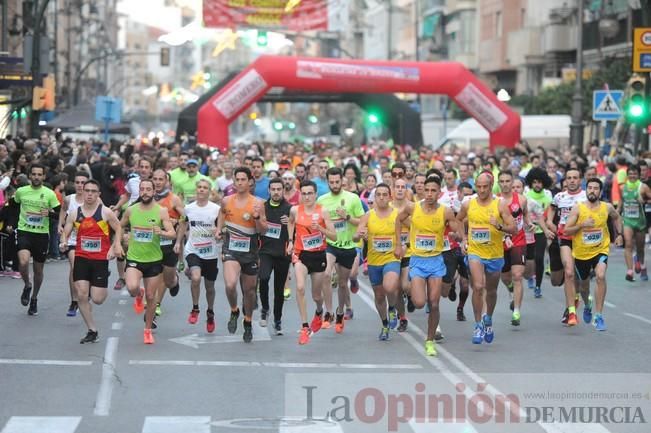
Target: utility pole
(576, 127)
(5, 26)
(39, 11)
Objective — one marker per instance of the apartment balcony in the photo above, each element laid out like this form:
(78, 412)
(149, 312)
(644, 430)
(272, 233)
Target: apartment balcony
(522, 43)
(559, 37)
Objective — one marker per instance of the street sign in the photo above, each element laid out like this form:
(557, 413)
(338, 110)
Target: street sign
(642, 49)
(607, 104)
(108, 109)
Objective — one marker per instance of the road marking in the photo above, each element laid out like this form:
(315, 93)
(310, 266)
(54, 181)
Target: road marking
(556, 427)
(103, 401)
(285, 424)
(176, 424)
(44, 362)
(194, 340)
(277, 364)
(441, 426)
(123, 302)
(116, 326)
(42, 424)
(124, 292)
(635, 316)
(119, 314)
(609, 304)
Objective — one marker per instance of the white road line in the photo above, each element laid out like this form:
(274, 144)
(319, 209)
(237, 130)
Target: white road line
(573, 428)
(441, 426)
(176, 424)
(640, 318)
(609, 304)
(119, 314)
(116, 326)
(278, 364)
(123, 302)
(44, 362)
(42, 424)
(124, 292)
(103, 401)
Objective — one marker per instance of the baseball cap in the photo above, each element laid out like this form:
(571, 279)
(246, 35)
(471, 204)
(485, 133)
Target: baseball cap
(192, 161)
(289, 175)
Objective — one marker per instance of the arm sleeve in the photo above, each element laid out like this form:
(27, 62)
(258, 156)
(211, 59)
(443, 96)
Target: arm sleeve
(4, 183)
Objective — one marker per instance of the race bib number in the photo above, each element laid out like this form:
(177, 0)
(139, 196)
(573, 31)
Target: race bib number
(312, 242)
(631, 210)
(240, 244)
(425, 243)
(340, 225)
(404, 238)
(273, 230)
(446, 244)
(91, 245)
(35, 219)
(142, 234)
(592, 236)
(519, 223)
(382, 244)
(481, 235)
(203, 248)
(165, 241)
(647, 207)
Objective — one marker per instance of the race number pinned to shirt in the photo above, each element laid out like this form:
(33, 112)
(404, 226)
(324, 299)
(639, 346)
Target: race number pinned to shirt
(143, 234)
(312, 242)
(592, 236)
(481, 235)
(425, 242)
(631, 210)
(165, 241)
(35, 219)
(241, 244)
(383, 244)
(273, 230)
(340, 224)
(203, 249)
(91, 245)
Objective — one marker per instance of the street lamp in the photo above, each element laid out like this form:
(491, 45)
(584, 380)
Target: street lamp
(576, 127)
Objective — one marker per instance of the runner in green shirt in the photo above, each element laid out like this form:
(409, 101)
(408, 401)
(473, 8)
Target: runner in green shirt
(37, 203)
(632, 210)
(188, 187)
(345, 210)
(179, 174)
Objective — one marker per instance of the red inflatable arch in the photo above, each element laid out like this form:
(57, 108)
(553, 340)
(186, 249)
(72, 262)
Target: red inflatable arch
(355, 76)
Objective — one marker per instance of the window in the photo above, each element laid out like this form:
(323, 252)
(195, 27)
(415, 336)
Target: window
(498, 24)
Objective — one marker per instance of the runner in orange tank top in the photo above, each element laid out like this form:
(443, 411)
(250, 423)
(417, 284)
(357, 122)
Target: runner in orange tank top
(241, 219)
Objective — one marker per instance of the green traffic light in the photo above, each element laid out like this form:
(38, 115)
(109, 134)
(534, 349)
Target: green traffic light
(636, 110)
(312, 118)
(278, 126)
(373, 118)
(262, 38)
(291, 125)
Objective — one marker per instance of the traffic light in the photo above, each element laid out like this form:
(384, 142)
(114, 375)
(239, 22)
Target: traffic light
(291, 125)
(312, 118)
(373, 118)
(278, 125)
(49, 84)
(636, 107)
(165, 56)
(261, 39)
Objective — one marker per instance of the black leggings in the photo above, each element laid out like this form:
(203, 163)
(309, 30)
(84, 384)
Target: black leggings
(539, 257)
(280, 267)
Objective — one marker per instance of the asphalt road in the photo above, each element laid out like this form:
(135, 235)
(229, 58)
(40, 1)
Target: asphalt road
(564, 379)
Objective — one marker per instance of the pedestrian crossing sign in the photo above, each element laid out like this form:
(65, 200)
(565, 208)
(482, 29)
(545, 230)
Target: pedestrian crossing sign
(607, 104)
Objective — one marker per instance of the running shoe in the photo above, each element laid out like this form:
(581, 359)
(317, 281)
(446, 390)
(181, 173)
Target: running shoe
(643, 275)
(119, 284)
(194, 317)
(232, 322)
(509, 287)
(512, 305)
(24, 297)
(515, 319)
(304, 336)
(349, 314)
(175, 290)
(33, 308)
(159, 312)
(354, 285)
(263, 318)
(384, 334)
(460, 316)
(629, 276)
(566, 316)
(91, 337)
(572, 320)
(438, 336)
(531, 283)
(138, 303)
(537, 292)
(327, 320)
(148, 337)
(488, 328)
(478, 334)
(410, 305)
(452, 296)
(287, 293)
(599, 323)
(72, 309)
(393, 317)
(430, 348)
(248, 331)
(278, 328)
(404, 324)
(317, 322)
(339, 324)
(638, 265)
(210, 321)
(14, 274)
(587, 311)
(548, 270)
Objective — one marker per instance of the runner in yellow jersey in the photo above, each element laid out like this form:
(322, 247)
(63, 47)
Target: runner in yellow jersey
(588, 224)
(399, 200)
(377, 227)
(426, 266)
(488, 219)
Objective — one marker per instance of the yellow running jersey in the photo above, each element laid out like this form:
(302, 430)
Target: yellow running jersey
(589, 242)
(484, 240)
(426, 232)
(381, 242)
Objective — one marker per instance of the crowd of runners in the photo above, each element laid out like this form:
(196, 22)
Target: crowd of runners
(420, 225)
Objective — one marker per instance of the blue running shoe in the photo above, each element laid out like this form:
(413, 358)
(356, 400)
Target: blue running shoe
(393, 318)
(599, 323)
(488, 328)
(384, 334)
(643, 275)
(537, 292)
(532, 283)
(587, 311)
(478, 334)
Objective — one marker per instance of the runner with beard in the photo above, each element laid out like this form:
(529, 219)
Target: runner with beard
(588, 225)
